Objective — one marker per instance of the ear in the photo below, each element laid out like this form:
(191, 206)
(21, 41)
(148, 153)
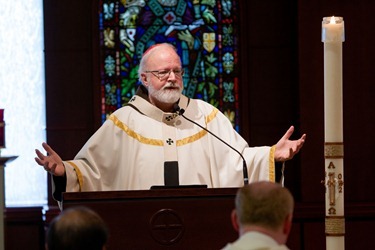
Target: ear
(287, 224)
(144, 79)
(234, 220)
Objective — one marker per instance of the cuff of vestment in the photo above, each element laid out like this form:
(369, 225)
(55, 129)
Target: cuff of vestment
(74, 176)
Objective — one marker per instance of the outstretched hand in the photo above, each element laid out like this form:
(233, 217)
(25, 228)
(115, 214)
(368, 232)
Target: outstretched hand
(51, 162)
(286, 149)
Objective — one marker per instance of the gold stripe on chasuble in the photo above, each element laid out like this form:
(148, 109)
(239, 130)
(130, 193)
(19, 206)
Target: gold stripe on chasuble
(211, 116)
(200, 134)
(133, 134)
(79, 175)
(157, 142)
(191, 139)
(271, 167)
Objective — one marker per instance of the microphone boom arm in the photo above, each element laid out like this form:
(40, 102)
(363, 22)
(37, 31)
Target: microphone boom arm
(181, 112)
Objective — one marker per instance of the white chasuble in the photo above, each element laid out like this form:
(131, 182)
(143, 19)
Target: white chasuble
(129, 151)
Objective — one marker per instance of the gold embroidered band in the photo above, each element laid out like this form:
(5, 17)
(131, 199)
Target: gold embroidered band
(158, 142)
(271, 167)
(79, 175)
(333, 150)
(335, 225)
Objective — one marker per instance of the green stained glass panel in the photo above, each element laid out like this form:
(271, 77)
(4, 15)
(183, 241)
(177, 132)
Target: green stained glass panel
(204, 32)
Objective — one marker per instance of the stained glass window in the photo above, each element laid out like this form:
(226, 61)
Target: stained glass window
(203, 31)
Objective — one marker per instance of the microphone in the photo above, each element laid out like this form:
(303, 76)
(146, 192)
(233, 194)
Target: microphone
(180, 111)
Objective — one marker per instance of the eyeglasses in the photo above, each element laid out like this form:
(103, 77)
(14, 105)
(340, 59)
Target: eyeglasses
(164, 73)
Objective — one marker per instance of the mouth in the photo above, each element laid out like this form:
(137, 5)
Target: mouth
(171, 87)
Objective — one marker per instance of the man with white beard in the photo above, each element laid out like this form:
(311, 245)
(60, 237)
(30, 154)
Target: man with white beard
(148, 143)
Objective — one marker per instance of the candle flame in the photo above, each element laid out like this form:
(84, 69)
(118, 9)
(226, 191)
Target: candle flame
(333, 20)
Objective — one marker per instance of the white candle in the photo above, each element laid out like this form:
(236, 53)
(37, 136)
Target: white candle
(333, 29)
(333, 36)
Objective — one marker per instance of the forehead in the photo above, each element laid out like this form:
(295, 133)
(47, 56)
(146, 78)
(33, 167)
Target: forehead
(163, 57)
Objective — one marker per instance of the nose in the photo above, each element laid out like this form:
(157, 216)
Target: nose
(172, 75)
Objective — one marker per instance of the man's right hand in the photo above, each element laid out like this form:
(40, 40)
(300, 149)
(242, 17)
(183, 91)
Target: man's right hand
(51, 162)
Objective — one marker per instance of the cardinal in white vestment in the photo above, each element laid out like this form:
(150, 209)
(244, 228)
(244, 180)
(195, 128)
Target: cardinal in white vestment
(139, 142)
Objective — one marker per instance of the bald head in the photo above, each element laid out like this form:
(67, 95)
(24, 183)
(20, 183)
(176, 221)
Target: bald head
(151, 52)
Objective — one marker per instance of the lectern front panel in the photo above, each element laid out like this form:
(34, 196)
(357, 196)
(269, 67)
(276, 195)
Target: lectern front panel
(196, 218)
